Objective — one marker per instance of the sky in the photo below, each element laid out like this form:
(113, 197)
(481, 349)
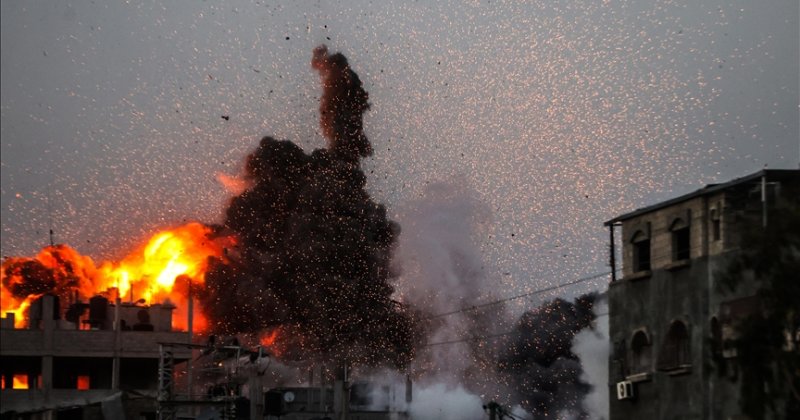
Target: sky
(554, 115)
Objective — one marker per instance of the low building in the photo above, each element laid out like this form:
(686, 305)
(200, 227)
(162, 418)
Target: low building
(102, 361)
(669, 319)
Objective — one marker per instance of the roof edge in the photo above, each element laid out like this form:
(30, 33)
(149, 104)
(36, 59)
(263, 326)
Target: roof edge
(708, 189)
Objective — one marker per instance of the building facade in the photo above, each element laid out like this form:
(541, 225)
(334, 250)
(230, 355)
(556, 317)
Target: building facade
(668, 316)
(89, 366)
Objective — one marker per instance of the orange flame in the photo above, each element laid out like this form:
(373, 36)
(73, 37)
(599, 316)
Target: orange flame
(148, 273)
(269, 340)
(232, 184)
(20, 381)
(83, 382)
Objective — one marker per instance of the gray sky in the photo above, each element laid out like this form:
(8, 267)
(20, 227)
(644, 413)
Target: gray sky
(558, 114)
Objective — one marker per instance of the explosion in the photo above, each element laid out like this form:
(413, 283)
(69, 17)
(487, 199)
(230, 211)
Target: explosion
(301, 266)
(314, 249)
(149, 273)
(309, 265)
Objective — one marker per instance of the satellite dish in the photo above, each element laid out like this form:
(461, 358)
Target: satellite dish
(288, 396)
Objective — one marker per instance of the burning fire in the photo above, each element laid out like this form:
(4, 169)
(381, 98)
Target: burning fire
(20, 381)
(269, 341)
(84, 383)
(149, 273)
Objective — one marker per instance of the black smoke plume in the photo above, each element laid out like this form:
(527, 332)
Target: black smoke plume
(538, 361)
(25, 276)
(313, 253)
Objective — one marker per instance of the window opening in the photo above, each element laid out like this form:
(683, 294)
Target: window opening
(84, 382)
(716, 233)
(20, 381)
(640, 353)
(681, 244)
(641, 252)
(675, 353)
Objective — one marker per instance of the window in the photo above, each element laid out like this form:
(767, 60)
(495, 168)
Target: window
(82, 372)
(21, 372)
(716, 233)
(84, 382)
(641, 353)
(716, 338)
(138, 373)
(717, 346)
(20, 381)
(675, 353)
(641, 252)
(681, 240)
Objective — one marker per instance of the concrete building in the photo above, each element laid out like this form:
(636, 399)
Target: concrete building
(668, 317)
(88, 366)
(78, 363)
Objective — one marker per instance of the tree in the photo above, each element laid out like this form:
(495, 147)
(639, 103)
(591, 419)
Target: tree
(767, 341)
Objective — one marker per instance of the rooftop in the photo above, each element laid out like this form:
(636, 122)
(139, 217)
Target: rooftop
(769, 174)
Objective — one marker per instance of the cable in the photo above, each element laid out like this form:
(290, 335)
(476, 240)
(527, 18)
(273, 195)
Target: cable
(484, 337)
(441, 343)
(535, 292)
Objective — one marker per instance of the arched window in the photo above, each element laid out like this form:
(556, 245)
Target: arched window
(675, 353)
(641, 353)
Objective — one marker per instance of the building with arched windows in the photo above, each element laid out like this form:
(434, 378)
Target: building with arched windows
(671, 324)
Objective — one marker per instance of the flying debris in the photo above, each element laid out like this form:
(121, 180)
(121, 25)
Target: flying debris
(313, 247)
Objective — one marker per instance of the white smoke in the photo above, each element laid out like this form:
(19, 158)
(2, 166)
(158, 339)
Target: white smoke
(440, 262)
(444, 402)
(441, 269)
(593, 347)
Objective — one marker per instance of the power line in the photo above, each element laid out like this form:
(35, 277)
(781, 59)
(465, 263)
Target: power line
(463, 340)
(485, 337)
(535, 292)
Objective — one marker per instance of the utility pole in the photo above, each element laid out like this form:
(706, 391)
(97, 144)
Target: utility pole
(494, 408)
(190, 327)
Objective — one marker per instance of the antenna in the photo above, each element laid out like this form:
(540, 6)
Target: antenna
(50, 215)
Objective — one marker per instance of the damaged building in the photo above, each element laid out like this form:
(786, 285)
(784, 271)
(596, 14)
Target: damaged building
(672, 324)
(94, 360)
(79, 363)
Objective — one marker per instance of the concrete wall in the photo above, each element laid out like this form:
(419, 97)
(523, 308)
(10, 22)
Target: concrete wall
(659, 223)
(675, 290)
(48, 344)
(652, 304)
(688, 291)
(88, 343)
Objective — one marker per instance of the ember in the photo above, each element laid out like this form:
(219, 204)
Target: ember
(311, 257)
(314, 248)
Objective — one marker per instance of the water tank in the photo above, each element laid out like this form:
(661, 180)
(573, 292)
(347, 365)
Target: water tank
(56, 307)
(98, 311)
(35, 313)
(144, 321)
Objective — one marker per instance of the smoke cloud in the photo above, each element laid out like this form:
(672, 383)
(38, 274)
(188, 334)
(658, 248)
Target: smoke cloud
(592, 346)
(538, 361)
(314, 270)
(442, 270)
(313, 255)
(525, 362)
(57, 269)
